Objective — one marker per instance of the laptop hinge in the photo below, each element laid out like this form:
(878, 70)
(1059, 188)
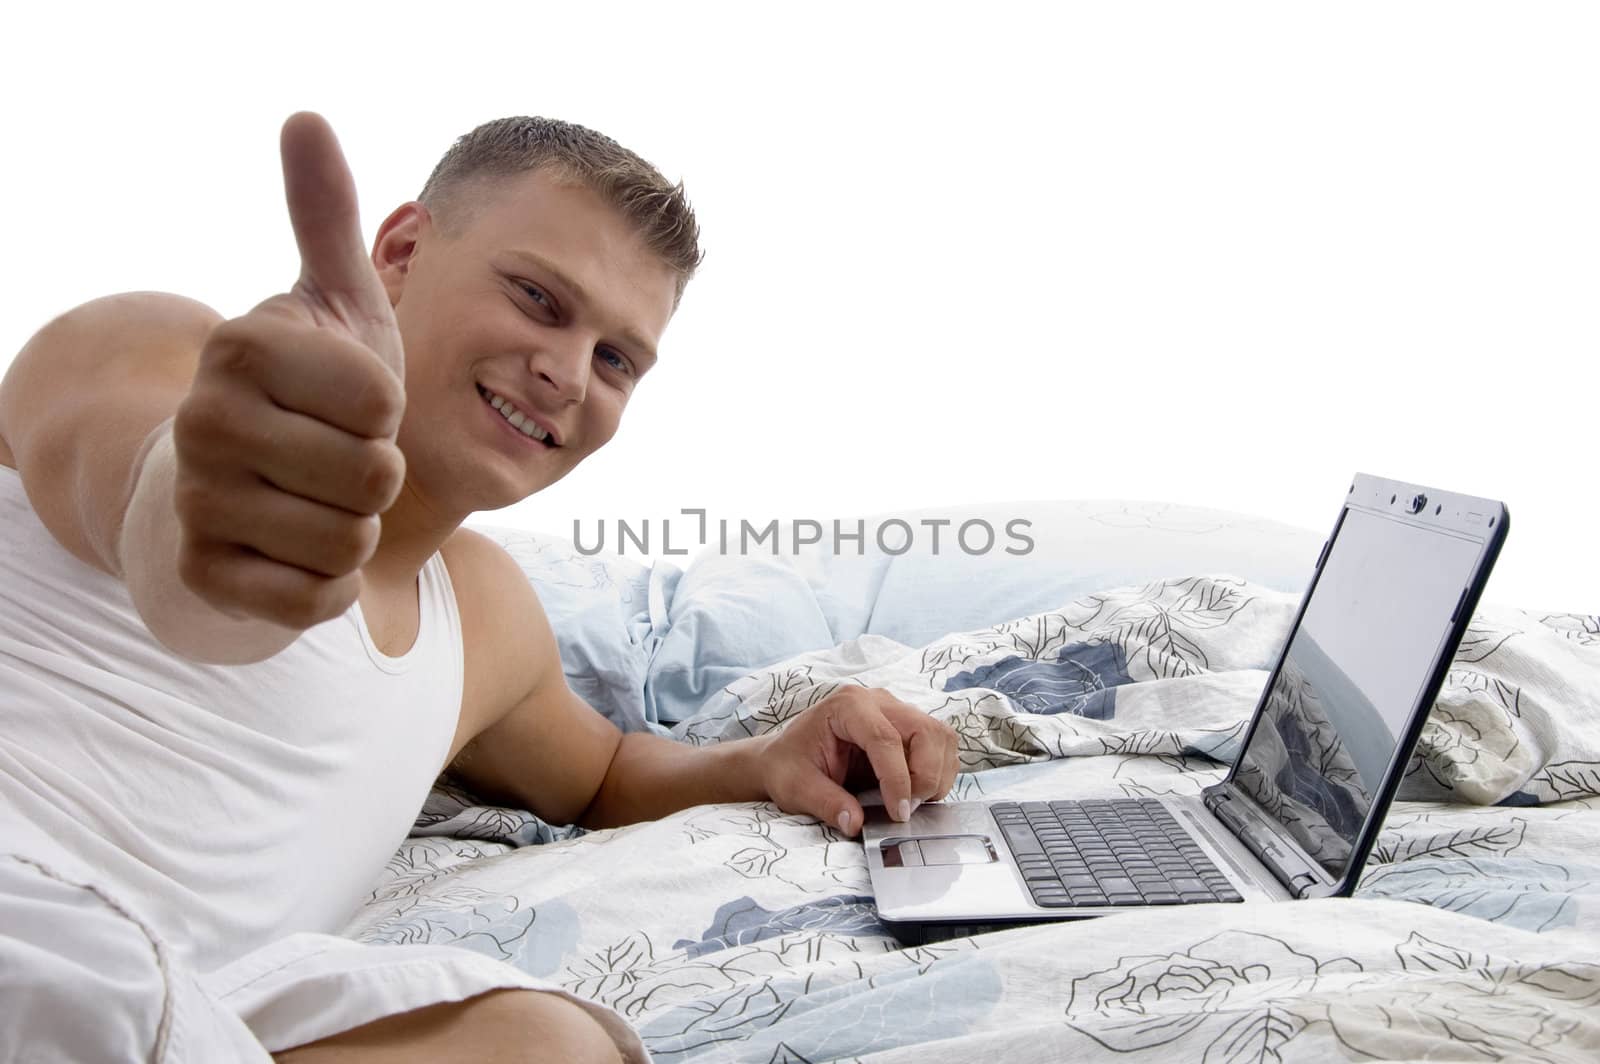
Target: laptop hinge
(1284, 860)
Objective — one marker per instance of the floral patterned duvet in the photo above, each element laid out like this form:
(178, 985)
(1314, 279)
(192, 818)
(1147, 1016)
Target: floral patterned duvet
(740, 933)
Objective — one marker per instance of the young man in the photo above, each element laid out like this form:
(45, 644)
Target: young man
(241, 628)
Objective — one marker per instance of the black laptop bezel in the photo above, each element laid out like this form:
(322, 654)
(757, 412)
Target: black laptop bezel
(1299, 873)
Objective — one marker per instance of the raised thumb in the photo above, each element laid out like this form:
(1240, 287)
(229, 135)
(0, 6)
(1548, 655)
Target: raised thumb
(321, 196)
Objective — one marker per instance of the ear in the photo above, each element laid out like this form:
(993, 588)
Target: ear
(399, 239)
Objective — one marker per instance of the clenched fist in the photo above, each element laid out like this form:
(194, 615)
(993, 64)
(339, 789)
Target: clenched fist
(285, 443)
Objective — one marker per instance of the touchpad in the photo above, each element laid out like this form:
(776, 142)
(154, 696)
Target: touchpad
(956, 849)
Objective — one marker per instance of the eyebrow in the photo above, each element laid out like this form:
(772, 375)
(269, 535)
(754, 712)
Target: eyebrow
(631, 339)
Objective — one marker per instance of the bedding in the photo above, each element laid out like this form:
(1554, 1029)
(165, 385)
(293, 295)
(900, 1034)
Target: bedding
(740, 933)
(646, 646)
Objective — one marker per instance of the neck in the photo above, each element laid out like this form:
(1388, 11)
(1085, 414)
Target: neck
(412, 533)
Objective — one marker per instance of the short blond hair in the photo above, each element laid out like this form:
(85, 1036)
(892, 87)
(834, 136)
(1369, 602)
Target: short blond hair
(657, 209)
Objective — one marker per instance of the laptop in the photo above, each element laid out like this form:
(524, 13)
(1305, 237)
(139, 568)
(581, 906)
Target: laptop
(1392, 593)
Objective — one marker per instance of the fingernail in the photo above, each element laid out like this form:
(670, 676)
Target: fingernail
(844, 822)
(905, 810)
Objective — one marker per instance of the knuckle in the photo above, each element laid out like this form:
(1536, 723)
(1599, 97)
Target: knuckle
(852, 697)
(383, 470)
(204, 572)
(333, 597)
(196, 424)
(382, 401)
(197, 503)
(296, 611)
(890, 704)
(215, 424)
(352, 542)
(313, 610)
(188, 419)
(232, 348)
(359, 541)
(313, 602)
(884, 732)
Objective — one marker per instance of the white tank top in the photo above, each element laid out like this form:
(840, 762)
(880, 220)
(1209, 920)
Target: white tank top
(232, 804)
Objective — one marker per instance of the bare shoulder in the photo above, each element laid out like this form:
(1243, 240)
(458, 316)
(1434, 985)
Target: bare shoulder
(102, 345)
(484, 566)
(137, 319)
(82, 398)
(509, 647)
(130, 330)
(152, 309)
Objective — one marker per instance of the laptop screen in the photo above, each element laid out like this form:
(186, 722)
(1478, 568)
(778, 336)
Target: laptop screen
(1366, 647)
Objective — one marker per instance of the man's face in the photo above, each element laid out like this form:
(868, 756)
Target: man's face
(525, 334)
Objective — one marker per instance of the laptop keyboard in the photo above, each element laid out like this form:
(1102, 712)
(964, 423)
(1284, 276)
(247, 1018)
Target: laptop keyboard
(1117, 851)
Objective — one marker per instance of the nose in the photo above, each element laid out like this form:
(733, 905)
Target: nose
(563, 365)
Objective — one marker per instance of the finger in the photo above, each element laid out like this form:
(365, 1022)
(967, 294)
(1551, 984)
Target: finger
(830, 803)
(233, 440)
(864, 725)
(926, 754)
(322, 540)
(934, 756)
(321, 196)
(952, 761)
(297, 455)
(245, 584)
(327, 465)
(310, 370)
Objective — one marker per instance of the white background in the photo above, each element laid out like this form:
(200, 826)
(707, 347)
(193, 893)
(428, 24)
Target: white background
(1221, 254)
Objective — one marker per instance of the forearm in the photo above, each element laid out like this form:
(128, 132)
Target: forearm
(650, 777)
(148, 545)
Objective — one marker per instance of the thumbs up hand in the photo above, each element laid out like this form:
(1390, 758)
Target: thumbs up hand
(337, 277)
(285, 444)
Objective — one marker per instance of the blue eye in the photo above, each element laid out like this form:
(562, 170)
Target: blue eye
(614, 360)
(537, 295)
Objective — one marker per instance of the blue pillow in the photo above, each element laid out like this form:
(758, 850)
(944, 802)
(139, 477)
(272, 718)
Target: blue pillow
(725, 613)
(599, 609)
(731, 614)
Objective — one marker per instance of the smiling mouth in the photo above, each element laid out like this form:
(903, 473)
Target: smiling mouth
(516, 418)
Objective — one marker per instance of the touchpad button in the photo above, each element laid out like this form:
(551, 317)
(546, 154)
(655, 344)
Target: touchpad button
(901, 853)
(956, 849)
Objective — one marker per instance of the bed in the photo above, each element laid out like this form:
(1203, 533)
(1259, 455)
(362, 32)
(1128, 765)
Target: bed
(1121, 657)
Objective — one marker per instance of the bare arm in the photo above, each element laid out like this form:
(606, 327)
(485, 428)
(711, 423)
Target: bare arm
(549, 755)
(526, 738)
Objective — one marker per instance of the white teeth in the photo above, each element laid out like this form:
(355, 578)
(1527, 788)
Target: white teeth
(519, 421)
